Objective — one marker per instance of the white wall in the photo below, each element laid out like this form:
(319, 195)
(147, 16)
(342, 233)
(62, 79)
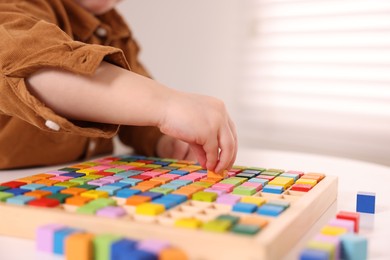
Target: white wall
(188, 45)
(201, 46)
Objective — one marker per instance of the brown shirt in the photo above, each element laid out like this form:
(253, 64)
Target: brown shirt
(59, 34)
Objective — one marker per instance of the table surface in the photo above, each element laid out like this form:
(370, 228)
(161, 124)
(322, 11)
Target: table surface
(353, 176)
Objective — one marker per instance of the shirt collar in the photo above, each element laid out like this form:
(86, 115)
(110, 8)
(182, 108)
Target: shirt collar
(84, 23)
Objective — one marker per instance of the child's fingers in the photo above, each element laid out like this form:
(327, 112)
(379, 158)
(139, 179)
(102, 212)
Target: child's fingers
(211, 150)
(228, 149)
(199, 153)
(234, 132)
(180, 149)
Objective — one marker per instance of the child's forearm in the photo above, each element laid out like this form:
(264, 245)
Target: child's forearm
(112, 95)
(117, 96)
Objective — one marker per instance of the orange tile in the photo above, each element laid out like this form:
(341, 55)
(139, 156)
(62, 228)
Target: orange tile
(38, 193)
(151, 184)
(79, 246)
(211, 180)
(141, 188)
(194, 188)
(214, 175)
(73, 191)
(162, 180)
(77, 200)
(47, 182)
(188, 193)
(172, 253)
(137, 200)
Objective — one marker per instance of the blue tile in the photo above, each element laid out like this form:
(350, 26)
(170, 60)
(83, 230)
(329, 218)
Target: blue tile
(273, 189)
(365, 202)
(18, 191)
(312, 254)
(270, 210)
(20, 200)
(125, 193)
(244, 207)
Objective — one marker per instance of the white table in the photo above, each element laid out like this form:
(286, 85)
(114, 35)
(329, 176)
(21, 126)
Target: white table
(353, 176)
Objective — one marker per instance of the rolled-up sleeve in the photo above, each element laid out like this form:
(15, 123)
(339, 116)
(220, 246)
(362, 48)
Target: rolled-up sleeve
(28, 44)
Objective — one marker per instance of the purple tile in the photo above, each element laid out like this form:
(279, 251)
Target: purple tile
(154, 246)
(348, 224)
(111, 212)
(335, 240)
(228, 199)
(219, 192)
(112, 179)
(99, 182)
(45, 237)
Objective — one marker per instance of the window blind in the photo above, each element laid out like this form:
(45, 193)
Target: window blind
(315, 77)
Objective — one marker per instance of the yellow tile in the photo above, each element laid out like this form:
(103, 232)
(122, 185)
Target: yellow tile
(137, 164)
(87, 171)
(333, 231)
(188, 223)
(285, 182)
(178, 165)
(67, 184)
(29, 179)
(306, 181)
(94, 194)
(151, 209)
(47, 182)
(253, 200)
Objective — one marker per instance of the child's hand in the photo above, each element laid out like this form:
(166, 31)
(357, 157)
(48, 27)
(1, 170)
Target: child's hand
(203, 123)
(170, 147)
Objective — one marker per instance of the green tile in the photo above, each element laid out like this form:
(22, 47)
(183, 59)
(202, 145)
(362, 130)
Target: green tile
(245, 229)
(59, 196)
(81, 180)
(88, 186)
(5, 195)
(233, 219)
(270, 173)
(244, 190)
(164, 191)
(204, 196)
(102, 246)
(3, 188)
(89, 209)
(217, 225)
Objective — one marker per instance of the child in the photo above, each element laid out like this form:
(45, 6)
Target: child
(70, 77)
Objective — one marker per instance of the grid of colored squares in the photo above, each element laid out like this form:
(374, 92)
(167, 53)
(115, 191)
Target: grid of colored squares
(338, 239)
(77, 244)
(166, 191)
